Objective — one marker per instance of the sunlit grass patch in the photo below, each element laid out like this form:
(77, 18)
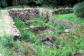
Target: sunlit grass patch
(68, 17)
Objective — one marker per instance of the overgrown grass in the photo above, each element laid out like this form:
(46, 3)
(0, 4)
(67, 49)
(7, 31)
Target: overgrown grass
(26, 35)
(69, 17)
(70, 47)
(6, 44)
(9, 47)
(71, 44)
(38, 22)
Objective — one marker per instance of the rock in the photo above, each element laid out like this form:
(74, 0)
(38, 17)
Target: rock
(37, 29)
(67, 30)
(58, 46)
(31, 26)
(45, 37)
(79, 54)
(48, 43)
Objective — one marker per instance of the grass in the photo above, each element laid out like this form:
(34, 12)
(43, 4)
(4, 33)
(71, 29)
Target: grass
(71, 43)
(44, 22)
(70, 47)
(69, 17)
(27, 35)
(5, 42)
(9, 47)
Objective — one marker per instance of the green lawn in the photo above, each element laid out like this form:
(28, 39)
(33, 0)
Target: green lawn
(69, 17)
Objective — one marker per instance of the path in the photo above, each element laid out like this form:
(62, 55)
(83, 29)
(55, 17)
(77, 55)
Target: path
(7, 26)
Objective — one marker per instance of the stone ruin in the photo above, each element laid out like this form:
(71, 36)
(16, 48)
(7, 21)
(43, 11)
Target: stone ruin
(24, 14)
(29, 13)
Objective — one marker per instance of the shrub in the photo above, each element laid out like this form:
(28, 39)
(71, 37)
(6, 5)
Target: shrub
(79, 10)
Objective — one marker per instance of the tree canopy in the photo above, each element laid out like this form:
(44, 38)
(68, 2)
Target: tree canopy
(4, 3)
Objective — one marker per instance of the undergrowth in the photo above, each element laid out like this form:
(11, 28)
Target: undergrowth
(71, 43)
(10, 47)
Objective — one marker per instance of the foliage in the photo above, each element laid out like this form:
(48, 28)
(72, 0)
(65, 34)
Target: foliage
(79, 9)
(5, 3)
(39, 1)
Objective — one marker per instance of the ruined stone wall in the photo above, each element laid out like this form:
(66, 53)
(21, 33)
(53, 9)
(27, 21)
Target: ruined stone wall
(46, 13)
(25, 14)
(62, 11)
(29, 13)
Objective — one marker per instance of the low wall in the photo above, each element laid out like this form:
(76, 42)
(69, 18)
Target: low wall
(63, 11)
(25, 14)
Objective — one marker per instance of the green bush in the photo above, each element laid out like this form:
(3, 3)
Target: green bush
(79, 9)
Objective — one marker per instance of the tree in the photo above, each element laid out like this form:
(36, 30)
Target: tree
(3, 3)
(15, 2)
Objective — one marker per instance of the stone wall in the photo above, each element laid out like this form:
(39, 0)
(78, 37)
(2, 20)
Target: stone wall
(46, 13)
(25, 14)
(62, 11)
(29, 13)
